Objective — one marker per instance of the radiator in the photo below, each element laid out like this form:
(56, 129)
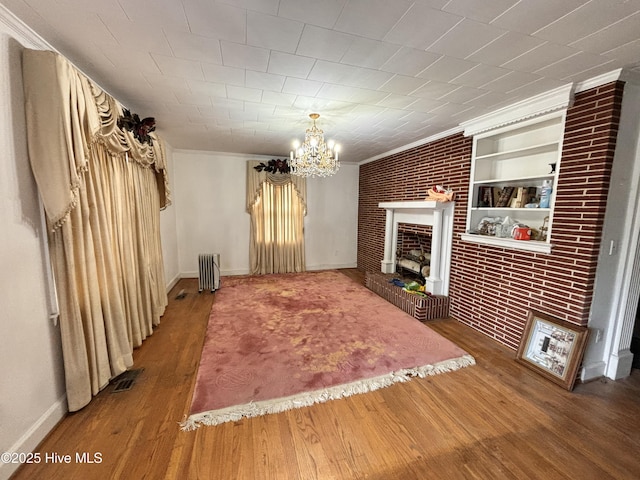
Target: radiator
(208, 271)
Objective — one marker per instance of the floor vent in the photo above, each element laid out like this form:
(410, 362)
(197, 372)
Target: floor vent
(126, 380)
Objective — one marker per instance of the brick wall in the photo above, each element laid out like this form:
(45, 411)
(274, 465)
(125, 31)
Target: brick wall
(493, 288)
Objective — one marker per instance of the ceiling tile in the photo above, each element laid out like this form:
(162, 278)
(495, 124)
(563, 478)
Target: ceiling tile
(446, 68)
(323, 43)
(536, 87)
(244, 56)
(480, 75)
(421, 26)
(179, 67)
(577, 63)
(193, 98)
(397, 101)
(277, 98)
(505, 48)
(290, 65)
(627, 54)
(195, 47)
(465, 38)
(364, 52)
(322, 14)
(462, 94)
(540, 57)
(484, 11)
(434, 89)
(211, 89)
(139, 61)
(166, 14)
(620, 33)
(347, 75)
(350, 94)
(409, 61)
(426, 105)
(298, 86)
(265, 6)
(216, 20)
(402, 84)
(585, 20)
(371, 18)
(510, 81)
(243, 93)
(264, 81)
(528, 16)
(274, 33)
(222, 74)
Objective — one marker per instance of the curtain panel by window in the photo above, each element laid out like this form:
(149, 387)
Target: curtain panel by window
(277, 204)
(102, 192)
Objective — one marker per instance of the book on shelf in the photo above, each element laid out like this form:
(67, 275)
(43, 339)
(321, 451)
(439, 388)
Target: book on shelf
(504, 197)
(485, 197)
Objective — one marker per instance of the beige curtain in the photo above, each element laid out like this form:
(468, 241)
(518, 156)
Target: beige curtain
(102, 192)
(277, 205)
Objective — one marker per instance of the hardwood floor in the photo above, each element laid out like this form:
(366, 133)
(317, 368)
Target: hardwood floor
(493, 420)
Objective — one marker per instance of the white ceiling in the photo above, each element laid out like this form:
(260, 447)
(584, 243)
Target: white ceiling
(243, 75)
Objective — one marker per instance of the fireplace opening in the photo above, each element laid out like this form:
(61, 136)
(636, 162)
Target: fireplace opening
(413, 253)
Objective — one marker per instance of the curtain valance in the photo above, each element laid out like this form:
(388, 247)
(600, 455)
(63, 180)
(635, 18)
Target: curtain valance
(66, 114)
(255, 180)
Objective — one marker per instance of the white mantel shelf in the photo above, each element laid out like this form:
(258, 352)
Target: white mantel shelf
(439, 215)
(527, 245)
(414, 205)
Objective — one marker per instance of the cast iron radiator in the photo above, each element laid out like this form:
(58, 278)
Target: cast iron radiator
(208, 271)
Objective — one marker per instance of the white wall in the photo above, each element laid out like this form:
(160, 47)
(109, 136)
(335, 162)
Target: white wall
(32, 394)
(605, 355)
(209, 194)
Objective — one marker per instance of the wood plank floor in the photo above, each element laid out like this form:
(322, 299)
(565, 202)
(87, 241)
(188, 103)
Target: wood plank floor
(494, 420)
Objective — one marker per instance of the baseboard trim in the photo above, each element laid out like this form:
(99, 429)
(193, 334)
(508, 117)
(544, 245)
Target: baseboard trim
(620, 365)
(38, 431)
(173, 282)
(591, 371)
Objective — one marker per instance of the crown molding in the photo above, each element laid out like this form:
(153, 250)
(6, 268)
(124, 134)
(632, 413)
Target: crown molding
(603, 79)
(547, 102)
(21, 32)
(418, 143)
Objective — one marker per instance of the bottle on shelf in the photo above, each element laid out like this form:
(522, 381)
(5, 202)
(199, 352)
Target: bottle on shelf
(545, 194)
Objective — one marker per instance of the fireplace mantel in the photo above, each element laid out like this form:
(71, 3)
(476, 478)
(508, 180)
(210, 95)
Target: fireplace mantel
(437, 214)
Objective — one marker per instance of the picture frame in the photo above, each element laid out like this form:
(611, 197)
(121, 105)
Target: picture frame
(553, 348)
(485, 197)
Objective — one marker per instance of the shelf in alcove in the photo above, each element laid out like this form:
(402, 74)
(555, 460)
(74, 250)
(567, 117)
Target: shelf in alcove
(528, 245)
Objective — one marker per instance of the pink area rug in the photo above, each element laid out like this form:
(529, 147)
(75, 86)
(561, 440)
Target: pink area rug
(276, 342)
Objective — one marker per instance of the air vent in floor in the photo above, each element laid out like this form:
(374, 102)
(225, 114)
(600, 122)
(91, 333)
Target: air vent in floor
(126, 380)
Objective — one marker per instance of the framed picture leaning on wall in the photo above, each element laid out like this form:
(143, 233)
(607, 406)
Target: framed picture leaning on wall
(553, 348)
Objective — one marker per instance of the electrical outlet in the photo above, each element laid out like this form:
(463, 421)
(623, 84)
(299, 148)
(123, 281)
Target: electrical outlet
(598, 334)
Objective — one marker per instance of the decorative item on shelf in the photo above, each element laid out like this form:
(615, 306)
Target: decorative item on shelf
(140, 128)
(553, 168)
(439, 193)
(274, 166)
(491, 226)
(542, 233)
(545, 194)
(521, 232)
(314, 157)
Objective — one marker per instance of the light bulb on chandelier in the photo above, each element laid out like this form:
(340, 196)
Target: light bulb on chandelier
(314, 157)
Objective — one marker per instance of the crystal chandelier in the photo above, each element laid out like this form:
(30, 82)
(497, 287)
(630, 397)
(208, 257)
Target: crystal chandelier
(314, 157)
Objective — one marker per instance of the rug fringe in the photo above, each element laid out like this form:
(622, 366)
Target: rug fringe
(255, 409)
